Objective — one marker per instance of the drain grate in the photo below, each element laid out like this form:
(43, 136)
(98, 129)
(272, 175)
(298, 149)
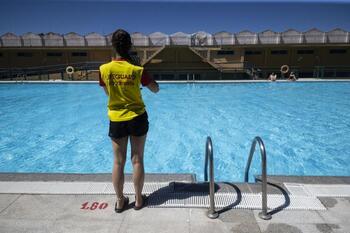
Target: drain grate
(230, 200)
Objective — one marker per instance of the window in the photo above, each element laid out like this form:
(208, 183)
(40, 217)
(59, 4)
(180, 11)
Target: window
(182, 76)
(306, 74)
(189, 76)
(337, 51)
(226, 52)
(167, 77)
(279, 52)
(250, 52)
(53, 54)
(24, 54)
(79, 54)
(343, 74)
(305, 52)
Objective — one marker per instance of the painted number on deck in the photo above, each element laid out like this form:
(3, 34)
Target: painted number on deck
(94, 206)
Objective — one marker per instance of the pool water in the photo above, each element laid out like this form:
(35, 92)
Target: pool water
(63, 128)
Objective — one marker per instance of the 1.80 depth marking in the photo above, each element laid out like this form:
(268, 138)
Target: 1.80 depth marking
(94, 206)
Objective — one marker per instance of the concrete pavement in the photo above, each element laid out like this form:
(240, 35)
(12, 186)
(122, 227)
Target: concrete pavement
(95, 213)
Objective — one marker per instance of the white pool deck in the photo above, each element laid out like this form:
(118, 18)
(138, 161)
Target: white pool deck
(84, 203)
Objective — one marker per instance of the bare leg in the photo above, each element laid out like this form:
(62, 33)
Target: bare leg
(119, 150)
(137, 149)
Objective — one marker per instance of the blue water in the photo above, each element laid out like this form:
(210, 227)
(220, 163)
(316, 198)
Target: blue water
(63, 128)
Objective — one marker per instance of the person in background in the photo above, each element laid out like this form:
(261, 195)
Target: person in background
(272, 77)
(121, 80)
(292, 76)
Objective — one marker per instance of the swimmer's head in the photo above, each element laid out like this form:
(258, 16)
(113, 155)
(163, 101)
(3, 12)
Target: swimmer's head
(121, 42)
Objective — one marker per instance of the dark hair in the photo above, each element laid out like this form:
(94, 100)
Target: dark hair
(121, 42)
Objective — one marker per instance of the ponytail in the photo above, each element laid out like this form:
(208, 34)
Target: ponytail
(121, 42)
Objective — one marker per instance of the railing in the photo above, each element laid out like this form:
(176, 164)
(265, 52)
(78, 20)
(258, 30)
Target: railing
(263, 215)
(209, 156)
(42, 70)
(309, 71)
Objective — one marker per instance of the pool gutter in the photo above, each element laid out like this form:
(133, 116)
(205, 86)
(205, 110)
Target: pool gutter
(58, 81)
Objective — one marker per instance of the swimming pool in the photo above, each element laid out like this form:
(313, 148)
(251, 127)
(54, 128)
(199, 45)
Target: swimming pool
(63, 128)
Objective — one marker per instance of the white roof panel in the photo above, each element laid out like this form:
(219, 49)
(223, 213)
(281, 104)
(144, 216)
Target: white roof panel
(224, 38)
(269, 37)
(139, 39)
(95, 39)
(315, 36)
(292, 36)
(180, 38)
(338, 35)
(74, 39)
(202, 38)
(159, 39)
(11, 40)
(247, 37)
(53, 40)
(31, 40)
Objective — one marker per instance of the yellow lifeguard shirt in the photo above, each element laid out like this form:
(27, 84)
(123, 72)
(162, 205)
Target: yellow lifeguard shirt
(122, 81)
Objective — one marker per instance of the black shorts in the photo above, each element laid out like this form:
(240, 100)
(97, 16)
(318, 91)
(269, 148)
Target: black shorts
(135, 127)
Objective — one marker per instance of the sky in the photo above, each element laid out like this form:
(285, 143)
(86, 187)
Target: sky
(104, 17)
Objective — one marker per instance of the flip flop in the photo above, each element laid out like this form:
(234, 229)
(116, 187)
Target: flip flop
(126, 203)
(144, 200)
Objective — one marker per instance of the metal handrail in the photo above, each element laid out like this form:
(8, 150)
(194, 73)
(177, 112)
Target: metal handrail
(209, 156)
(263, 214)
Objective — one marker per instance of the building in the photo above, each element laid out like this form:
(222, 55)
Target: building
(182, 56)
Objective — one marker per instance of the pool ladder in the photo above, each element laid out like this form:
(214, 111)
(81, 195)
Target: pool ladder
(263, 214)
(209, 156)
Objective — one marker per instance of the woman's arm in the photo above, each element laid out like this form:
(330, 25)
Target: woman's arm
(149, 82)
(102, 83)
(106, 90)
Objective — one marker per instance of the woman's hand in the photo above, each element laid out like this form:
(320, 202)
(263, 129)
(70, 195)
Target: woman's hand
(153, 86)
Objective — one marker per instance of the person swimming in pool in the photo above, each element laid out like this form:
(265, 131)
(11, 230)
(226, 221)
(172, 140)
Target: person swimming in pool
(121, 80)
